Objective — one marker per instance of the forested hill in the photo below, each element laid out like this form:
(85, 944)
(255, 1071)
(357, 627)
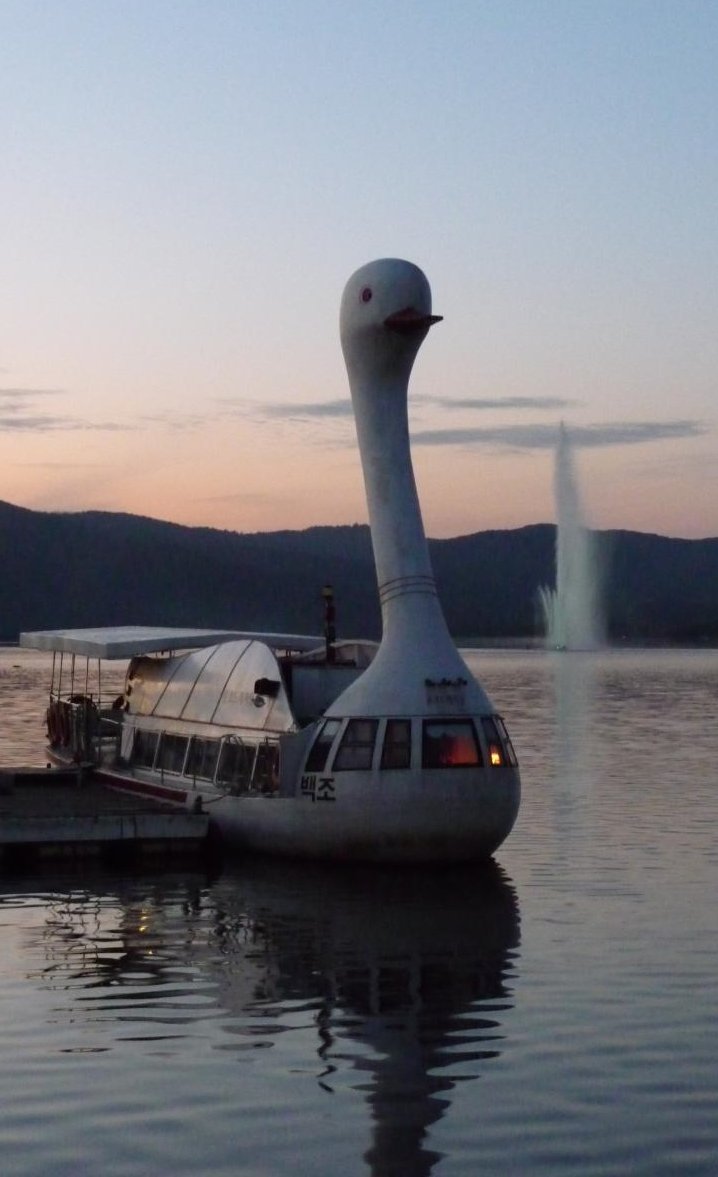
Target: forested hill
(99, 568)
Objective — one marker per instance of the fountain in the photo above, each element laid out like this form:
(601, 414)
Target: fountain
(571, 612)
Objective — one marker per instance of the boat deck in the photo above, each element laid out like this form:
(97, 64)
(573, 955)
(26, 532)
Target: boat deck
(61, 813)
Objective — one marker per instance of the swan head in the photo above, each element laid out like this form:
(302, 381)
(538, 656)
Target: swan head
(385, 315)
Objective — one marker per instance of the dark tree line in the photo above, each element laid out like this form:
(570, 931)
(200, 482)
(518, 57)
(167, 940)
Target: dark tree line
(99, 568)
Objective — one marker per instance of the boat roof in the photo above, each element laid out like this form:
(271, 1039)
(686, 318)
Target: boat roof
(127, 641)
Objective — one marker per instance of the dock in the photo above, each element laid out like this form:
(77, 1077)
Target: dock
(68, 813)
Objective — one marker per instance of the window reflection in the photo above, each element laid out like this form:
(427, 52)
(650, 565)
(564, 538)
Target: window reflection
(357, 745)
(172, 753)
(508, 746)
(144, 748)
(235, 764)
(493, 740)
(450, 743)
(317, 758)
(396, 752)
(202, 759)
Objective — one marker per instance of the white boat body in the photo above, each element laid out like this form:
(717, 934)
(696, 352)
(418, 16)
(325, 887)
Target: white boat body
(299, 746)
(364, 825)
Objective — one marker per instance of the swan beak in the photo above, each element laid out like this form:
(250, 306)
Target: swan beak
(409, 319)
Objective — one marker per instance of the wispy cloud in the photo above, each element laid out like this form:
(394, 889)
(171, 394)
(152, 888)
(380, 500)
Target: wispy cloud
(342, 408)
(18, 414)
(302, 410)
(175, 421)
(510, 437)
(21, 395)
(480, 404)
(46, 424)
(542, 437)
(635, 432)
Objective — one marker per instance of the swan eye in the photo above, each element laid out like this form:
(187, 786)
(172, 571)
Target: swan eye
(366, 294)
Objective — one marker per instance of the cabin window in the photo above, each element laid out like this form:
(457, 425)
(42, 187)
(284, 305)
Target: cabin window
(202, 759)
(317, 758)
(508, 746)
(450, 743)
(497, 756)
(144, 748)
(357, 745)
(173, 750)
(396, 752)
(235, 764)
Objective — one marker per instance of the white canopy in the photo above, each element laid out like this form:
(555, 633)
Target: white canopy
(126, 641)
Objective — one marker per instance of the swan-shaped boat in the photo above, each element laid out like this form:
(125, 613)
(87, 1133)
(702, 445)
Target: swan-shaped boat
(297, 745)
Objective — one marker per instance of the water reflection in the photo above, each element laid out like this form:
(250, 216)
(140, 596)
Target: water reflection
(412, 966)
(397, 980)
(574, 676)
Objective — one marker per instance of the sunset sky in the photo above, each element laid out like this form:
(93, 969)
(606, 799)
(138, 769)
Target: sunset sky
(188, 185)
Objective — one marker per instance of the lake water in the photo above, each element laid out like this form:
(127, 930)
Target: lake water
(554, 1014)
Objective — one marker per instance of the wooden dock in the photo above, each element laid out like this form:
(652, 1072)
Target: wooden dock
(67, 813)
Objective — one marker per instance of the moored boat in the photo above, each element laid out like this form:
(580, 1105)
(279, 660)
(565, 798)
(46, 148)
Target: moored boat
(302, 745)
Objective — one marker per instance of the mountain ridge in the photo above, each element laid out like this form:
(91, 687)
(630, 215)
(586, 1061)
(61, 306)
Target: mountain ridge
(92, 568)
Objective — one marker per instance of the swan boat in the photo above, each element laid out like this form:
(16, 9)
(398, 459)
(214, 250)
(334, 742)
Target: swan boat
(302, 745)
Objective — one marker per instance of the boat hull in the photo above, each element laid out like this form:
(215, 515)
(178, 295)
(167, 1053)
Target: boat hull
(430, 830)
(399, 821)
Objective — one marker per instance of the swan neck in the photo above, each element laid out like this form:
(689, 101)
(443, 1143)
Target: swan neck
(407, 589)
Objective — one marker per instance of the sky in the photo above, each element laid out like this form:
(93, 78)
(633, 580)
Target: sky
(187, 187)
